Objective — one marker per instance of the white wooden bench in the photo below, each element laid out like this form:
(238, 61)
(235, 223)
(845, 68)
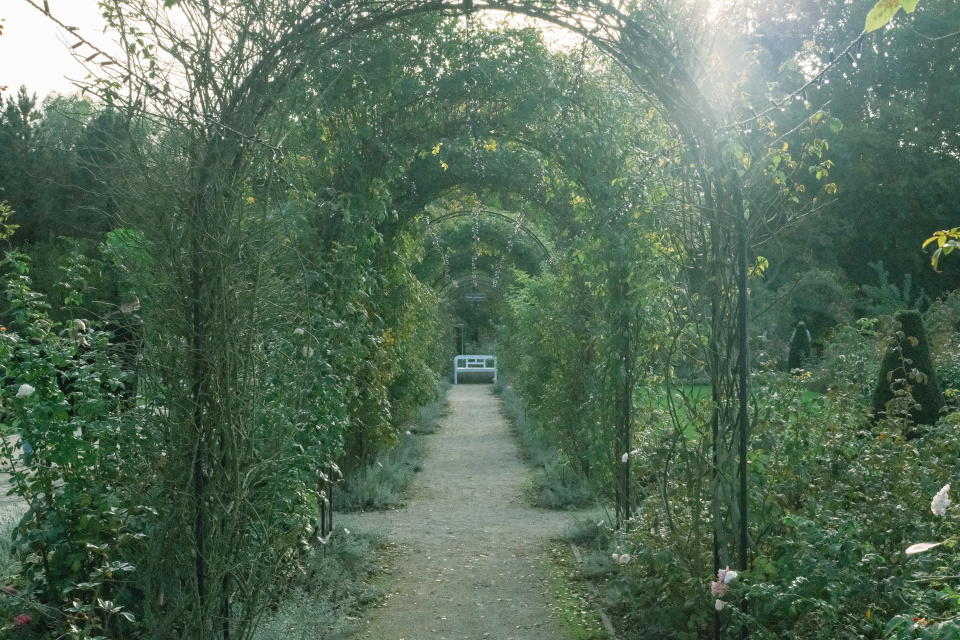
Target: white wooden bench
(474, 364)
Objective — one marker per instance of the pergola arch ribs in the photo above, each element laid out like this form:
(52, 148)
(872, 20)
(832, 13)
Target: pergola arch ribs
(496, 214)
(481, 280)
(655, 71)
(535, 255)
(650, 63)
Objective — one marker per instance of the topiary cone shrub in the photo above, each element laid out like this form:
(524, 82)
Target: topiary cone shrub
(907, 362)
(801, 350)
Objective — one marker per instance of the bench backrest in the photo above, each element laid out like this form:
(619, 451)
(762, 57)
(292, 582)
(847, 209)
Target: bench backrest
(486, 364)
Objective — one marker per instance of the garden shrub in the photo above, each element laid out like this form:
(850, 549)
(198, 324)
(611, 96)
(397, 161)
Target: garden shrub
(801, 350)
(907, 385)
(835, 499)
(331, 592)
(382, 484)
(554, 483)
(83, 528)
(943, 328)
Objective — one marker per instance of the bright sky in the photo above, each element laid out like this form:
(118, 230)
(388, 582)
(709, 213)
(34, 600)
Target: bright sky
(32, 49)
(35, 52)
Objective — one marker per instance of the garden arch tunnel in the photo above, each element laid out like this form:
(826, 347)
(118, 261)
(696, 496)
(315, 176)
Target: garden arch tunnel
(229, 108)
(642, 43)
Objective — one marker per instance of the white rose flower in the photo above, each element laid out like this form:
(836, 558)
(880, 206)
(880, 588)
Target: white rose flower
(939, 504)
(25, 390)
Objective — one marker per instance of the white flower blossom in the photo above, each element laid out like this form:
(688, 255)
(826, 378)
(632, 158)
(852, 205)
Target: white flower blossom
(624, 558)
(307, 352)
(27, 390)
(726, 576)
(298, 331)
(625, 457)
(719, 605)
(939, 504)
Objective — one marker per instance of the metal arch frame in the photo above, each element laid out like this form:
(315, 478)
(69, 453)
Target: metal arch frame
(645, 56)
(489, 212)
(481, 279)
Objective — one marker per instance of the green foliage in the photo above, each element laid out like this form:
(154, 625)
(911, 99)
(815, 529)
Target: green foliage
(75, 542)
(830, 563)
(293, 325)
(943, 323)
(55, 168)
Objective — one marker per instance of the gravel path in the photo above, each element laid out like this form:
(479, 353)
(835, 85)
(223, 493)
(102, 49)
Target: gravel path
(469, 548)
(10, 506)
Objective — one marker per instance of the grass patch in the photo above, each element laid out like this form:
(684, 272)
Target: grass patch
(573, 608)
(382, 484)
(336, 590)
(553, 483)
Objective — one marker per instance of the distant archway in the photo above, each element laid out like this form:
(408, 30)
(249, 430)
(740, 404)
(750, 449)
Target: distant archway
(517, 223)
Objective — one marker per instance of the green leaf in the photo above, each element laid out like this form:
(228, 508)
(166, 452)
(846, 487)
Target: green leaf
(881, 14)
(836, 125)
(908, 5)
(897, 623)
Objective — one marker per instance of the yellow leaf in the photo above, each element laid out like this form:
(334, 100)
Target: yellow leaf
(250, 200)
(881, 14)
(444, 165)
(436, 149)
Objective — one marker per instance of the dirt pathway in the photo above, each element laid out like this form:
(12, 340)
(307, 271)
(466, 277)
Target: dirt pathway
(469, 560)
